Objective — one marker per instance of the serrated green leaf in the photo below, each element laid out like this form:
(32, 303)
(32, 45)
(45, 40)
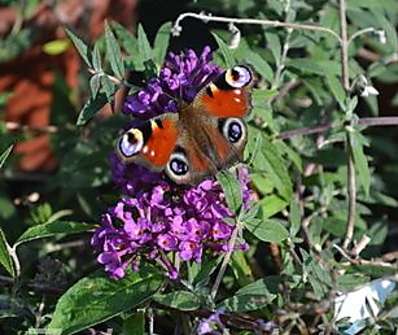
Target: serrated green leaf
(52, 229)
(144, 47)
(181, 300)
(80, 46)
(5, 257)
(267, 230)
(232, 190)
(97, 298)
(90, 108)
(361, 162)
(113, 53)
(5, 154)
(161, 43)
(225, 51)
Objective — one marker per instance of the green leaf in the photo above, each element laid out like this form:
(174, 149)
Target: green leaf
(291, 154)
(227, 55)
(275, 165)
(181, 300)
(5, 257)
(267, 230)
(113, 52)
(361, 162)
(244, 303)
(232, 190)
(52, 229)
(5, 154)
(241, 268)
(272, 205)
(80, 46)
(97, 58)
(95, 84)
(144, 47)
(245, 55)
(274, 45)
(108, 87)
(97, 298)
(294, 217)
(206, 270)
(161, 43)
(130, 45)
(56, 47)
(90, 108)
(337, 89)
(134, 324)
(267, 286)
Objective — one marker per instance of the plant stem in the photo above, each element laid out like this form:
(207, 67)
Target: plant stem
(352, 192)
(271, 23)
(227, 258)
(344, 46)
(351, 177)
(359, 33)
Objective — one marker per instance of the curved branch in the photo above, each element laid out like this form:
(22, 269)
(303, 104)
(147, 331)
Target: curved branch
(263, 22)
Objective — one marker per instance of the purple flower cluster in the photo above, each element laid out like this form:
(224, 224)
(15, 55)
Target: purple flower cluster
(156, 220)
(181, 77)
(161, 222)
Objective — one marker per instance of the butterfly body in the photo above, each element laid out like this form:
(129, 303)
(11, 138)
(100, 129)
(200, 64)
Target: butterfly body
(204, 137)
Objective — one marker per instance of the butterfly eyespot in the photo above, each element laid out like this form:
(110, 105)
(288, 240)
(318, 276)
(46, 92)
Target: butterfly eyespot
(131, 143)
(239, 76)
(177, 168)
(234, 130)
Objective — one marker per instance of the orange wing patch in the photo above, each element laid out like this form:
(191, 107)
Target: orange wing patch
(161, 143)
(226, 103)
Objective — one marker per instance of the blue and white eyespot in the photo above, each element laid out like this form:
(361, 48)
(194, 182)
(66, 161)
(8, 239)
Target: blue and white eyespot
(131, 143)
(178, 167)
(239, 76)
(234, 130)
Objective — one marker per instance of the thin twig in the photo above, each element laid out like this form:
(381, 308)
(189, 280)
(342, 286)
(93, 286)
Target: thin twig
(360, 261)
(352, 193)
(359, 33)
(17, 265)
(263, 22)
(227, 258)
(350, 156)
(344, 46)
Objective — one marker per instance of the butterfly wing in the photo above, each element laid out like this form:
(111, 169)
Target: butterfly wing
(150, 143)
(212, 130)
(228, 95)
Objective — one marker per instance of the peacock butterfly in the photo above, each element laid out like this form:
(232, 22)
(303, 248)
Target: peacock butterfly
(202, 138)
